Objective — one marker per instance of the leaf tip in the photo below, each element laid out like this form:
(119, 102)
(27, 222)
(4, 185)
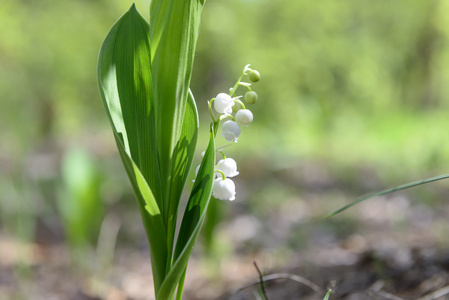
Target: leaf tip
(133, 8)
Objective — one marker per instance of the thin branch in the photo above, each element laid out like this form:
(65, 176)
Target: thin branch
(377, 287)
(437, 294)
(386, 295)
(292, 277)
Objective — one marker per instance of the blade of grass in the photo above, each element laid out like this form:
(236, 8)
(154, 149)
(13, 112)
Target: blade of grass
(395, 189)
(327, 295)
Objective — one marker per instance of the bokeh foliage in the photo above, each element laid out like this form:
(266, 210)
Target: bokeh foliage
(353, 84)
(340, 77)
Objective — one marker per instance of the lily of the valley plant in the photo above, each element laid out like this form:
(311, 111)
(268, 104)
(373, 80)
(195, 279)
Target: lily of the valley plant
(144, 72)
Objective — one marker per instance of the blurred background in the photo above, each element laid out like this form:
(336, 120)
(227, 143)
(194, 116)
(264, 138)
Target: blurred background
(353, 99)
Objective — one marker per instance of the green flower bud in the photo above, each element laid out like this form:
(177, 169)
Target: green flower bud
(254, 76)
(251, 97)
(236, 107)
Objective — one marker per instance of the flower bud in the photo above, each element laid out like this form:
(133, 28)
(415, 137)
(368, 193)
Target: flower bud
(223, 104)
(228, 166)
(244, 117)
(230, 131)
(236, 107)
(254, 76)
(224, 189)
(251, 97)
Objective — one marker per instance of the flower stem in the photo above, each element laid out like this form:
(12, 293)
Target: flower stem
(222, 174)
(240, 102)
(210, 109)
(237, 84)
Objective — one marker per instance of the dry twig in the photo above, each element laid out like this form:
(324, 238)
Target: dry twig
(261, 281)
(437, 294)
(292, 277)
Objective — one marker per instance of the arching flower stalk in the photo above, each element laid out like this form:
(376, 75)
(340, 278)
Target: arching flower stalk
(225, 104)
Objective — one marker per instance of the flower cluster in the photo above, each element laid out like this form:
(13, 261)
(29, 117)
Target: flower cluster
(225, 104)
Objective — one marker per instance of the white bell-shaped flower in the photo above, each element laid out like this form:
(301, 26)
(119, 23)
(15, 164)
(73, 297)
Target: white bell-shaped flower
(228, 166)
(231, 131)
(244, 117)
(223, 104)
(224, 189)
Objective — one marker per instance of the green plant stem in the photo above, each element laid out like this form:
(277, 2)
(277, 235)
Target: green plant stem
(180, 290)
(210, 109)
(236, 85)
(241, 103)
(222, 174)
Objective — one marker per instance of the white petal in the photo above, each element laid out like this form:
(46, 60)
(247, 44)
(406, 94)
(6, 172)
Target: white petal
(224, 189)
(228, 166)
(244, 117)
(223, 104)
(230, 131)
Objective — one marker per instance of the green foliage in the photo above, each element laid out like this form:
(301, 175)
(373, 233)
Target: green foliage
(340, 78)
(80, 205)
(352, 77)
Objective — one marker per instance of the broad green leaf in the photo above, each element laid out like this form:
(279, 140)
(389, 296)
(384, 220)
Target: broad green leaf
(174, 32)
(159, 15)
(192, 221)
(183, 156)
(124, 77)
(395, 189)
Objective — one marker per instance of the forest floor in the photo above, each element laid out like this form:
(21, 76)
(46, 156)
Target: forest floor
(387, 248)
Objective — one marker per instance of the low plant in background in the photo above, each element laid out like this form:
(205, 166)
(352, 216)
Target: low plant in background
(80, 204)
(144, 72)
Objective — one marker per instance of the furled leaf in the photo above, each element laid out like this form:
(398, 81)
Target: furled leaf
(192, 221)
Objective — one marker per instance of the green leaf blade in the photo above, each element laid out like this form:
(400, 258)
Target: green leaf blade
(388, 191)
(151, 217)
(125, 83)
(124, 76)
(192, 221)
(183, 156)
(174, 25)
